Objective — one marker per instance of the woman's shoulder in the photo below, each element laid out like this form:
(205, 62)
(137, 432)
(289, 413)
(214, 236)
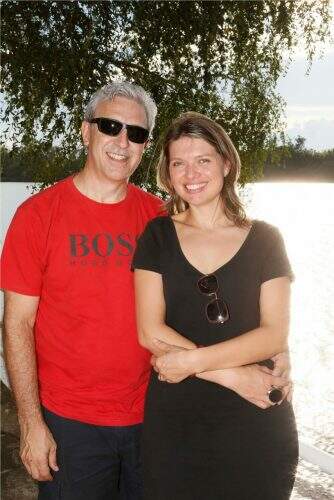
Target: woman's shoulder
(265, 228)
(157, 228)
(158, 223)
(266, 234)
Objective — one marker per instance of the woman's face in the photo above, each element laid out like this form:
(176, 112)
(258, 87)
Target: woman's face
(196, 170)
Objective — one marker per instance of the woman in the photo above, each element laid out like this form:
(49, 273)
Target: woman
(212, 291)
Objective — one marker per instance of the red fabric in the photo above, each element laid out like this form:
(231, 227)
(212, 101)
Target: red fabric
(76, 255)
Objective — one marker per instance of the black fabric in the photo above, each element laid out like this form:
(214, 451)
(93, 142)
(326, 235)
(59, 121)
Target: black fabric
(200, 440)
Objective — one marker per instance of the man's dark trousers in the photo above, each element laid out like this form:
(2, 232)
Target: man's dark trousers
(95, 462)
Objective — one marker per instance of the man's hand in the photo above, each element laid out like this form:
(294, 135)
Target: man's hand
(37, 447)
(38, 450)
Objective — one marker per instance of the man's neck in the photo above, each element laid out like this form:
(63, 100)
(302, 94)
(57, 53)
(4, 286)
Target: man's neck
(99, 190)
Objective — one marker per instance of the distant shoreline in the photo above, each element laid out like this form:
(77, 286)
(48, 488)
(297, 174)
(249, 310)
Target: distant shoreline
(262, 180)
(294, 179)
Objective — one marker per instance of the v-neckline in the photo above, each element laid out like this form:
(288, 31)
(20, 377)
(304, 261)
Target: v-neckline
(234, 256)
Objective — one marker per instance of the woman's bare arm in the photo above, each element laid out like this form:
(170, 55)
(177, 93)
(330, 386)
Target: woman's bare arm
(250, 382)
(150, 310)
(261, 343)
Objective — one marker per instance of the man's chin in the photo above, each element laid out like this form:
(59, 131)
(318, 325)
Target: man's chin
(118, 175)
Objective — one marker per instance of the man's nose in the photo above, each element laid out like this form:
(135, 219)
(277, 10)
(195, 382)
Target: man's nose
(122, 138)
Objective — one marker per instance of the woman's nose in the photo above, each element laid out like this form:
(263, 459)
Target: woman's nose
(191, 170)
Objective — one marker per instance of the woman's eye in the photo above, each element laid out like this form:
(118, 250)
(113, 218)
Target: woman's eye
(204, 160)
(176, 164)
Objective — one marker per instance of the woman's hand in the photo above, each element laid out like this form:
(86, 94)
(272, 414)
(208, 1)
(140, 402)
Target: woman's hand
(174, 365)
(251, 383)
(282, 369)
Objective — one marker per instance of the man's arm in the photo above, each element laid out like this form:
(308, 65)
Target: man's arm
(37, 447)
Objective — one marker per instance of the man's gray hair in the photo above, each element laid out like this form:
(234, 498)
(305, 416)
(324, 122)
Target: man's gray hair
(123, 89)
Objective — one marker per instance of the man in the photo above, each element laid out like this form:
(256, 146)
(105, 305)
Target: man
(77, 371)
(69, 294)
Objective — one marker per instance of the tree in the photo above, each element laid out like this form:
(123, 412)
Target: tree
(12, 166)
(293, 161)
(222, 58)
(32, 163)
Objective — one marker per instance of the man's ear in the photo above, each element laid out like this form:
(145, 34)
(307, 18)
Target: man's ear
(85, 132)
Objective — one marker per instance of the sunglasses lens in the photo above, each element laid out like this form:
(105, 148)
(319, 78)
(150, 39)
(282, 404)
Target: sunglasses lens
(137, 134)
(217, 311)
(208, 284)
(109, 127)
(112, 127)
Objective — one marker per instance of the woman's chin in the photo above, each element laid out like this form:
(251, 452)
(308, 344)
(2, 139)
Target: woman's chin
(199, 199)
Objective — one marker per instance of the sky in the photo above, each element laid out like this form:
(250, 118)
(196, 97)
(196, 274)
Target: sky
(310, 98)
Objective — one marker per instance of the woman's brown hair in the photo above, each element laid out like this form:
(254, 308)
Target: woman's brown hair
(196, 125)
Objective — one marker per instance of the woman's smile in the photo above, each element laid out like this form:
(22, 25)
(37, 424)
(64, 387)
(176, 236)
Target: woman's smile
(195, 188)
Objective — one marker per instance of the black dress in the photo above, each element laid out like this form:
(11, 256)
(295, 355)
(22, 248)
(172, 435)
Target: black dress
(202, 441)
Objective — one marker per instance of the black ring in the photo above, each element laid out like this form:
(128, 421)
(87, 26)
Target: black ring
(275, 395)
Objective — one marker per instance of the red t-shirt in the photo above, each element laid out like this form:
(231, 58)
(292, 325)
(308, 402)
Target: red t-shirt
(75, 254)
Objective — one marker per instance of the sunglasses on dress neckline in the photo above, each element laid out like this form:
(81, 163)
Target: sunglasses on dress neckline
(216, 310)
(108, 126)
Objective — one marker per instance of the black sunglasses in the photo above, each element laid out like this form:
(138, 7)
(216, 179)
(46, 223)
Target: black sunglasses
(107, 126)
(216, 310)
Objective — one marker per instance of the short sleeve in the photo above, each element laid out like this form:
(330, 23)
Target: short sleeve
(21, 261)
(276, 262)
(148, 254)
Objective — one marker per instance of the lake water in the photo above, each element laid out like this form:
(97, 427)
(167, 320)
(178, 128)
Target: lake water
(304, 212)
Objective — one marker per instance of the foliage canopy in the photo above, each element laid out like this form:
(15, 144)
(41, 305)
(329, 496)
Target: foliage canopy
(221, 58)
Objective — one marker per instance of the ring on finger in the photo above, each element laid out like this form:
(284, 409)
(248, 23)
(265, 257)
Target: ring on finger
(275, 395)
